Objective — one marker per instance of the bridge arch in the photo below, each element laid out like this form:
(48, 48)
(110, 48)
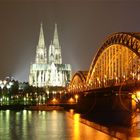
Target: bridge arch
(116, 60)
(114, 75)
(78, 81)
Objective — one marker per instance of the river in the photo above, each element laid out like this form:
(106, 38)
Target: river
(46, 125)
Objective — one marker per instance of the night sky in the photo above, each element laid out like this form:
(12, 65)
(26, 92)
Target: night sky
(83, 25)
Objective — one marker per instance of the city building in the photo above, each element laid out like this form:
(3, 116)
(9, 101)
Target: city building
(48, 69)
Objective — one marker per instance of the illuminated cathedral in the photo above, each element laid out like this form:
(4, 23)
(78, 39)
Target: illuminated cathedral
(48, 69)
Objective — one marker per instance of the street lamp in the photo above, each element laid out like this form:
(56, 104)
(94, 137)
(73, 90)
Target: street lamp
(76, 97)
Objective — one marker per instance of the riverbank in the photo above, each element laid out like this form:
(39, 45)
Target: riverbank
(115, 131)
(31, 107)
(44, 108)
(13, 107)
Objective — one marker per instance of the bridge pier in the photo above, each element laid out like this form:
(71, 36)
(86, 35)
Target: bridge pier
(104, 107)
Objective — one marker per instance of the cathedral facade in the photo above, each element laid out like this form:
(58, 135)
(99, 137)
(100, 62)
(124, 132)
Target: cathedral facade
(48, 69)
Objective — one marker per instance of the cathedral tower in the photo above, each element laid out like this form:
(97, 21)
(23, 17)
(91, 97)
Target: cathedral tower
(57, 48)
(41, 55)
(48, 70)
(51, 55)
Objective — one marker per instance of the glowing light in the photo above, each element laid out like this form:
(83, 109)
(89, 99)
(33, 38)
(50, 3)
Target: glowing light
(7, 99)
(76, 126)
(47, 94)
(138, 94)
(133, 96)
(71, 111)
(71, 100)
(54, 100)
(76, 97)
(4, 82)
(24, 99)
(8, 86)
(10, 83)
(2, 86)
(135, 99)
(43, 98)
(133, 74)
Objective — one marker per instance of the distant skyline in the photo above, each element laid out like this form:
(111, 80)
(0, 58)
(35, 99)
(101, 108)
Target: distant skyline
(82, 27)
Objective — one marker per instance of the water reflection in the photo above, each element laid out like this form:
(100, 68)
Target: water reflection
(55, 125)
(76, 126)
(135, 127)
(84, 132)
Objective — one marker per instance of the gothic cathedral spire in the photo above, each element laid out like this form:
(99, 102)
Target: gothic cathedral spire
(52, 73)
(41, 55)
(58, 57)
(51, 53)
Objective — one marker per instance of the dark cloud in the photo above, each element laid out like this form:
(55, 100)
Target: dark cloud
(82, 26)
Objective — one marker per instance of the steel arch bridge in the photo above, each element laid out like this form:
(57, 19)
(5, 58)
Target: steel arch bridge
(78, 82)
(111, 87)
(117, 61)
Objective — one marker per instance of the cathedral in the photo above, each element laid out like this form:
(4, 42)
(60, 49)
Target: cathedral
(48, 69)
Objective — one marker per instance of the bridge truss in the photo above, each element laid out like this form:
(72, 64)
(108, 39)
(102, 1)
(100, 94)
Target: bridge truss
(117, 60)
(116, 63)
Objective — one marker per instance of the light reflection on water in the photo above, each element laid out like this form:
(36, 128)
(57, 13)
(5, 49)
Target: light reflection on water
(43, 125)
(135, 127)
